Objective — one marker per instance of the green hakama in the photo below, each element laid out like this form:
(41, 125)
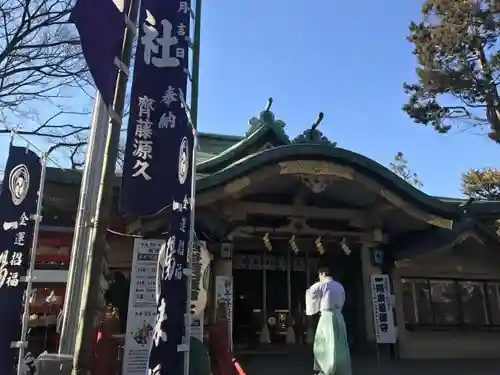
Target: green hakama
(331, 350)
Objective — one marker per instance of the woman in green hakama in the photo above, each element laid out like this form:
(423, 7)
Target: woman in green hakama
(331, 350)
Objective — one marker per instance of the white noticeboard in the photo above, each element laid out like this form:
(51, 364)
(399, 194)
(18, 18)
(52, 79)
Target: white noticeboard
(142, 308)
(383, 316)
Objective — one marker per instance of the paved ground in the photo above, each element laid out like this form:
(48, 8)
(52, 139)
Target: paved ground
(300, 364)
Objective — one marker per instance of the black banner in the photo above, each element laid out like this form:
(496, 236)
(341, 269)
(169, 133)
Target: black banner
(100, 25)
(158, 128)
(18, 202)
(157, 169)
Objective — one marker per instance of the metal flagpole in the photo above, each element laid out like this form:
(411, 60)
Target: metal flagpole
(189, 254)
(97, 242)
(192, 114)
(196, 65)
(86, 208)
(29, 277)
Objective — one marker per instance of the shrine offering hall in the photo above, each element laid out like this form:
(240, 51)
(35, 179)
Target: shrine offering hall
(421, 273)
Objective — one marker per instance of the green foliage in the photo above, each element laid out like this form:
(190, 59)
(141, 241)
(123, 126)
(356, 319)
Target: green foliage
(400, 167)
(482, 183)
(458, 66)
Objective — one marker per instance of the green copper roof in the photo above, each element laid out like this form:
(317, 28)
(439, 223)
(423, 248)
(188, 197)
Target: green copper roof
(222, 158)
(372, 169)
(263, 132)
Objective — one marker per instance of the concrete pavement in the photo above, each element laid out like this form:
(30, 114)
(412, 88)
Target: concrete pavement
(301, 364)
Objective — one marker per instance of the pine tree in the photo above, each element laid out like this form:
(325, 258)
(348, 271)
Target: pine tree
(458, 66)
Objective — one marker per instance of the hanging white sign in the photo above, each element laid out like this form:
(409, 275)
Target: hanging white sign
(383, 316)
(142, 307)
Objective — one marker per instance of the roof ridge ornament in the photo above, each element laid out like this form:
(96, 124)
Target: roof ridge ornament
(266, 118)
(313, 135)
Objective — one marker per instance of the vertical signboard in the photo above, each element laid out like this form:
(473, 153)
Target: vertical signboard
(383, 316)
(18, 203)
(141, 316)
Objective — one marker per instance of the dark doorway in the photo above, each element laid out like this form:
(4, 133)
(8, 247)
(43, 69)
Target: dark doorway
(248, 301)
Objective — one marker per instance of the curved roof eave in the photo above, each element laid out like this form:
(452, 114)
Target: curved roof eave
(336, 155)
(233, 151)
(438, 238)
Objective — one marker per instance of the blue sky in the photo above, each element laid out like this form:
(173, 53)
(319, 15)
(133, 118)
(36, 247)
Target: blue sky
(348, 61)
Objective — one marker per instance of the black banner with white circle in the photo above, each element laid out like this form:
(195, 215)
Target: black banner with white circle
(18, 203)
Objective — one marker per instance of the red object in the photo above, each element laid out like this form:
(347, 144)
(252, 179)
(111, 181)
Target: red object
(47, 301)
(106, 349)
(54, 248)
(238, 367)
(117, 225)
(222, 355)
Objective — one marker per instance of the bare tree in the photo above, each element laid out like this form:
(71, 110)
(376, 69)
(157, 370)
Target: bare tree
(41, 69)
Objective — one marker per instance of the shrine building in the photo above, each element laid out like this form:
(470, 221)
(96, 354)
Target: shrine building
(272, 208)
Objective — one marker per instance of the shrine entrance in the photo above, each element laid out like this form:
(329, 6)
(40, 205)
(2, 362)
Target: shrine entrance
(258, 306)
(259, 194)
(283, 207)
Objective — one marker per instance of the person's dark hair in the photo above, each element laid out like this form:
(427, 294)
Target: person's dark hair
(119, 277)
(325, 270)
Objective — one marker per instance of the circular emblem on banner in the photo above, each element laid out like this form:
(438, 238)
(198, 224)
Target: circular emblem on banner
(19, 183)
(183, 161)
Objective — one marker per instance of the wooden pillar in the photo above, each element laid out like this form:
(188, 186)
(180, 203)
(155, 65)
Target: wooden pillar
(309, 339)
(265, 336)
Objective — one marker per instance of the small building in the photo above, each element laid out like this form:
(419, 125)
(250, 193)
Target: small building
(272, 209)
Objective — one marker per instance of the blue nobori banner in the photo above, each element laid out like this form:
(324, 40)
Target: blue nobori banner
(158, 124)
(18, 204)
(101, 27)
(158, 165)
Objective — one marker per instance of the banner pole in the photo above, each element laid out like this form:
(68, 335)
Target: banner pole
(196, 64)
(192, 113)
(84, 345)
(11, 138)
(29, 276)
(190, 251)
(79, 248)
